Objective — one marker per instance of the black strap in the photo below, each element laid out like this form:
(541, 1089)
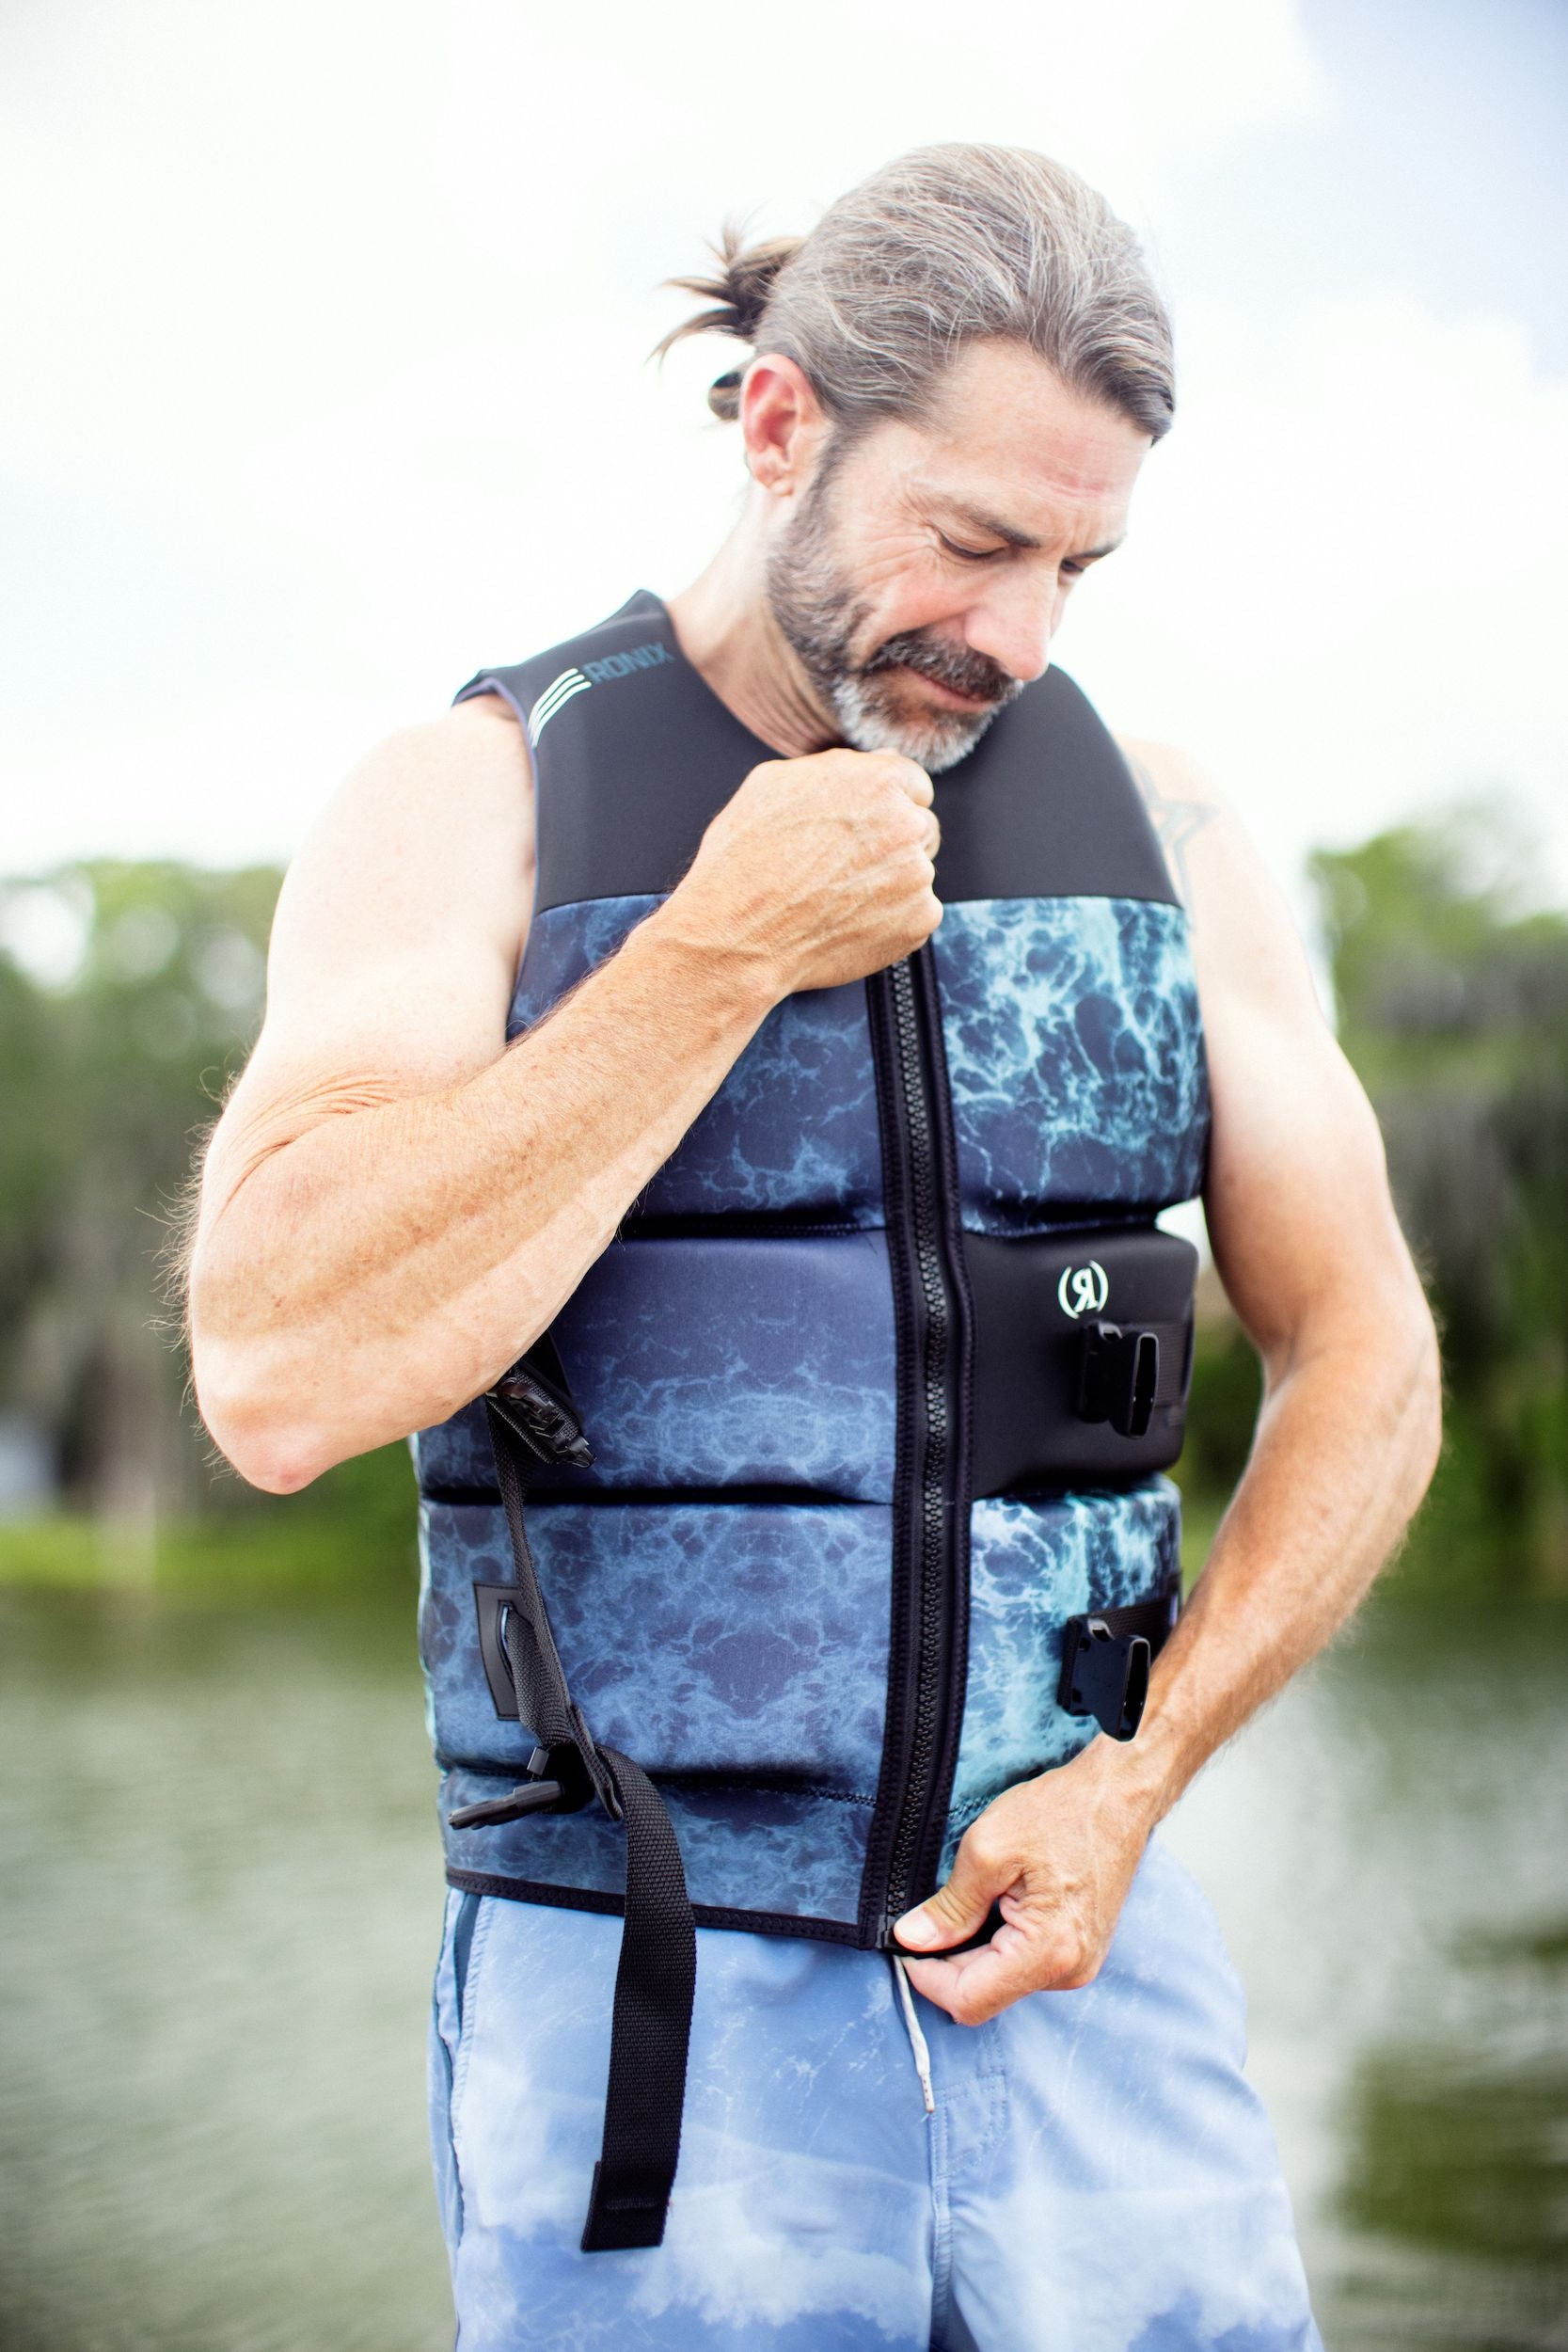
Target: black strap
(655, 1985)
(656, 1980)
(544, 1702)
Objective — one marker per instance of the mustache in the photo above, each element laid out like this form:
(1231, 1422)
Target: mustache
(967, 674)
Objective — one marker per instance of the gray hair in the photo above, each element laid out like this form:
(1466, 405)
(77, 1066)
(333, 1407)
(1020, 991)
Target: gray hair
(939, 248)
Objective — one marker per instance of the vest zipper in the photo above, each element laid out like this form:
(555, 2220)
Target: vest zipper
(932, 1548)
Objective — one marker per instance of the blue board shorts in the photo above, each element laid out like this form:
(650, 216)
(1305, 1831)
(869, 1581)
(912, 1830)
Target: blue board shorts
(1093, 2173)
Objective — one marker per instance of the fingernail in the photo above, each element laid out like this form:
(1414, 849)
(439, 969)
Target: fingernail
(916, 1927)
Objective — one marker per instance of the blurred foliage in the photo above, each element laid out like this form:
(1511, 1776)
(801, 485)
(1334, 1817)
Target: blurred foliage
(350, 1537)
(1453, 1009)
(128, 997)
(130, 994)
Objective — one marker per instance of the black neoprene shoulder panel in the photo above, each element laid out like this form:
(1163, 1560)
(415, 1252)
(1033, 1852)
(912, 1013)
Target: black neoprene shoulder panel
(635, 752)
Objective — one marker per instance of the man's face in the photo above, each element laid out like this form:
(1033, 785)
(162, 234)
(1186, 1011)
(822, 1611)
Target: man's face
(920, 580)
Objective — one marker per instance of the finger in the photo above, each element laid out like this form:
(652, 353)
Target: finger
(913, 779)
(976, 1985)
(957, 1908)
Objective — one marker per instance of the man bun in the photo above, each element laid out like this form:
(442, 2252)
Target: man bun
(740, 290)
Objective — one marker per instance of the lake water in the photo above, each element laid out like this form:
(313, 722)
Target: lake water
(221, 1900)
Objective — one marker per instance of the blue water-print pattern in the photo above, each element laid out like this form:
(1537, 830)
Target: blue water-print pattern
(565, 945)
(718, 1362)
(744, 1844)
(695, 1636)
(794, 1124)
(1075, 1054)
(1098, 2174)
(1033, 1565)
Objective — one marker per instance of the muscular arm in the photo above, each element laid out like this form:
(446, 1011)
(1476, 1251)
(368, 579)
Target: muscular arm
(1309, 1251)
(1311, 1254)
(393, 1203)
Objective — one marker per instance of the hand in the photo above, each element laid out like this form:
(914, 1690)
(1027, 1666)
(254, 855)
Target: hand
(818, 870)
(1057, 1855)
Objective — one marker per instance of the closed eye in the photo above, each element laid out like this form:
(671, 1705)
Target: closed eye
(1071, 569)
(969, 555)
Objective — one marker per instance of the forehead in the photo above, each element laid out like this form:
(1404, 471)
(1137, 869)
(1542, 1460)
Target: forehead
(1010, 436)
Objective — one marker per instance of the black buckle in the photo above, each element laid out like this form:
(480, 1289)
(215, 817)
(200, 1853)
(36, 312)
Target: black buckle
(1119, 1374)
(1104, 1675)
(555, 1777)
(568, 1782)
(541, 1412)
(529, 1796)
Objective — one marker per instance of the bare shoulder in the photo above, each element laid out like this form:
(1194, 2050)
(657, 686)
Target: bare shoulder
(427, 844)
(397, 934)
(1245, 937)
(448, 800)
(1182, 803)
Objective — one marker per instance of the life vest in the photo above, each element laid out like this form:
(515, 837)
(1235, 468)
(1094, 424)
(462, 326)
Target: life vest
(879, 1378)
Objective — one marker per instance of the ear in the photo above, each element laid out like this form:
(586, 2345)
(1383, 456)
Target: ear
(782, 424)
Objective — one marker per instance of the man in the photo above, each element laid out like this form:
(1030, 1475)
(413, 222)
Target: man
(819, 1117)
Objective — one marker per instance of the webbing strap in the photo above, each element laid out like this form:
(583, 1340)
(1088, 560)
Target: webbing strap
(544, 1702)
(656, 1980)
(655, 1985)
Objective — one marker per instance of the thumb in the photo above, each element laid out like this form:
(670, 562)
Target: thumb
(955, 1910)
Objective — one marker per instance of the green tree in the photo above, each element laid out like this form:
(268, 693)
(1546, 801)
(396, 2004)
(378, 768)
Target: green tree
(130, 995)
(1453, 1009)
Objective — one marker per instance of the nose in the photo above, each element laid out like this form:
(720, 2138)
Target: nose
(1014, 622)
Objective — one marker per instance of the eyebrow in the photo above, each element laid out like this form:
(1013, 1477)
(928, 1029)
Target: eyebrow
(982, 521)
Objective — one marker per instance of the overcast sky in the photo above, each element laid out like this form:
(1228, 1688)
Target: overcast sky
(327, 377)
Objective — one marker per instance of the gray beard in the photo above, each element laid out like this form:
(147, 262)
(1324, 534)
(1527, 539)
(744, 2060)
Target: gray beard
(820, 615)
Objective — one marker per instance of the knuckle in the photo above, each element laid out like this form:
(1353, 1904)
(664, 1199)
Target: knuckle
(1073, 1965)
(984, 1850)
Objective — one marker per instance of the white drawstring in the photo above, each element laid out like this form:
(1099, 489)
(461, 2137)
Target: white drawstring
(917, 2040)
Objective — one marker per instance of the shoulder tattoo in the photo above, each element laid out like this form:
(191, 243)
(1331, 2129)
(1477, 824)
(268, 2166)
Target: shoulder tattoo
(1175, 823)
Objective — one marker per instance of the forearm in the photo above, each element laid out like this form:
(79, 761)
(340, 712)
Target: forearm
(1345, 1446)
(383, 1266)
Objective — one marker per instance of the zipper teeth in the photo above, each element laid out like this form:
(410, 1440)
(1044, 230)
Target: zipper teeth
(934, 1462)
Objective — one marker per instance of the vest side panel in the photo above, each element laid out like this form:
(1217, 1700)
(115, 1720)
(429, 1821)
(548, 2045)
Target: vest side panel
(780, 1861)
(697, 1636)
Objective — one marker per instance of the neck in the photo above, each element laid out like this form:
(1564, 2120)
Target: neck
(724, 627)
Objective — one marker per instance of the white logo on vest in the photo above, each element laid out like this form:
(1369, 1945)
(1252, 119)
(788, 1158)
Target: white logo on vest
(1088, 1286)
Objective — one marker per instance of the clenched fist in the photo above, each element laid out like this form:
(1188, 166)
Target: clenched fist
(818, 869)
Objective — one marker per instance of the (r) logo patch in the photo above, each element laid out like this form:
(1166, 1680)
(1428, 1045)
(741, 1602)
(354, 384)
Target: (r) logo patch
(1083, 1289)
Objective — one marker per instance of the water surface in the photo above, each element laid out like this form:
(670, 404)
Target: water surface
(221, 1903)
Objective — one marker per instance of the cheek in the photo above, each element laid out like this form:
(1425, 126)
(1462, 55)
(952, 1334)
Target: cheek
(911, 594)
(893, 571)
